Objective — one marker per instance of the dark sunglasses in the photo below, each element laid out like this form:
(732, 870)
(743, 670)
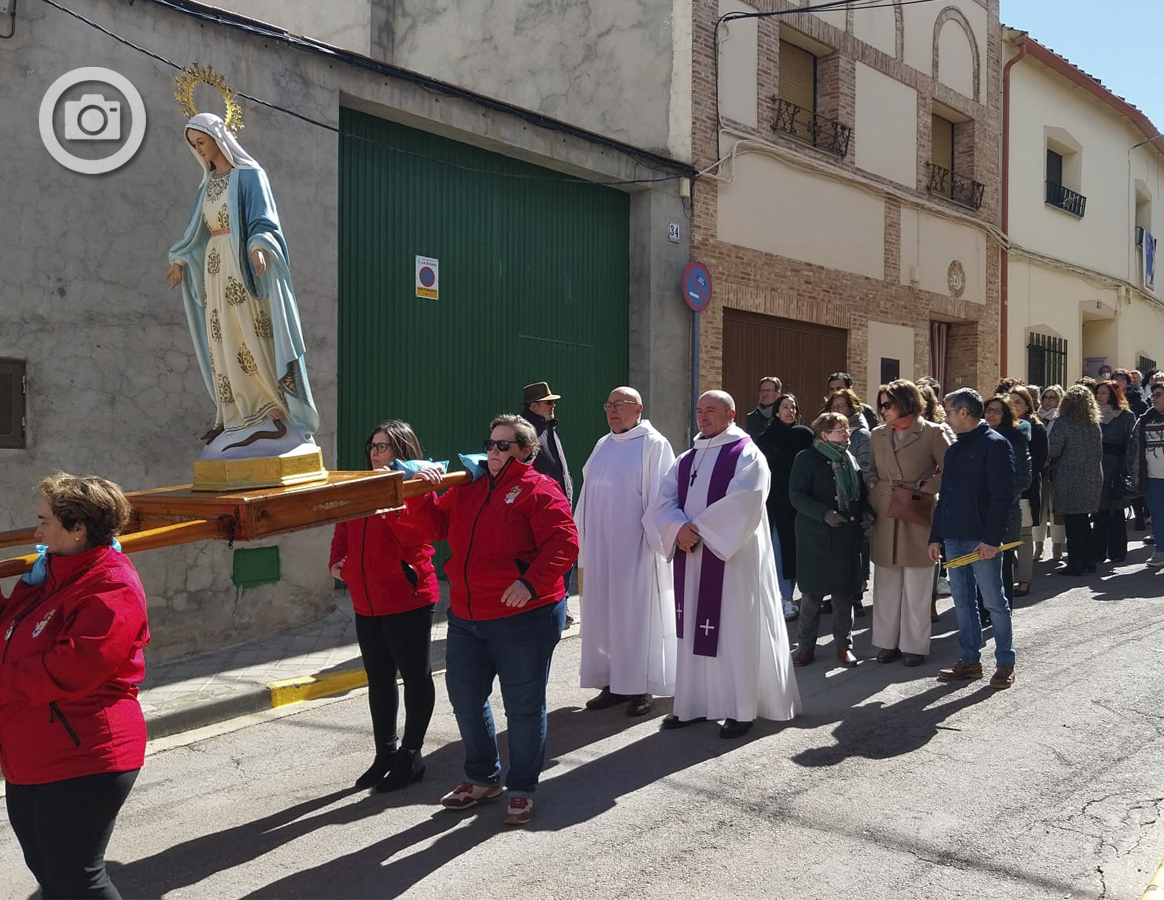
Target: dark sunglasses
(886, 405)
(503, 446)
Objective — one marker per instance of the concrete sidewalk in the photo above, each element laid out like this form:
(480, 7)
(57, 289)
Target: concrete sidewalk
(315, 660)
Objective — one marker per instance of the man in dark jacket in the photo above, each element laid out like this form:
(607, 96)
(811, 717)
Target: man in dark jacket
(978, 489)
(760, 418)
(538, 410)
(840, 381)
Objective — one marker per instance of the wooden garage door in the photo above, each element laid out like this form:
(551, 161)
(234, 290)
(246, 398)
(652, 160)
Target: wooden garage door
(800, 354)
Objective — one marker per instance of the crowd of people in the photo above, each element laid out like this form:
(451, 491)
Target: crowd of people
(691, 564)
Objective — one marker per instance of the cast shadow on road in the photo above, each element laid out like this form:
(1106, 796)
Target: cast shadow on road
(197, 859)
(392, 866)
(192, 861)
(885, 730)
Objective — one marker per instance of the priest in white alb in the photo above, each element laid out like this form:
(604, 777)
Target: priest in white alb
(628, 612)
(733, 662)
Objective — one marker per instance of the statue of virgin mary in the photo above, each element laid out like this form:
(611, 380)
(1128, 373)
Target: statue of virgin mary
(232, 267)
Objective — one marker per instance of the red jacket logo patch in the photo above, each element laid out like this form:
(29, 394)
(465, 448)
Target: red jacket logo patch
(42, 623)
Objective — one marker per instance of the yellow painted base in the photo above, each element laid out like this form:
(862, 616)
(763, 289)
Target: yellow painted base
(312, 687)
(264, 471)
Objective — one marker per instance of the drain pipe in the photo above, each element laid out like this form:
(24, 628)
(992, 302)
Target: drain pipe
(1004, 275)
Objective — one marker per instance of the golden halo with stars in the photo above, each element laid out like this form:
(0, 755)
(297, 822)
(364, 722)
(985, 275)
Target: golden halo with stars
(197, 74)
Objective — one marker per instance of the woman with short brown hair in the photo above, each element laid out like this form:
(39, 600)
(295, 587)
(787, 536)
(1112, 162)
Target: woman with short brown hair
(826, 488)
(906, 452)
(72, 733)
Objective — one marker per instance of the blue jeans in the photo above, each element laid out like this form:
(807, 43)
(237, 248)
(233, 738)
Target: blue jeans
(986, 574)
(517, 651)
(785, 583)
(1154, 496)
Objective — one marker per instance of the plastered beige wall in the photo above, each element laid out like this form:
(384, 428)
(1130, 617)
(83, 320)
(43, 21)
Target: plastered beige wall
(892, 342)
(929, 244)
(886, 126)
(920, 19)
(779, 208)
(878, 28)
(737, 64)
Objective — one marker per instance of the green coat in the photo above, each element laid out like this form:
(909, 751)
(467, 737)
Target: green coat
(828, 560)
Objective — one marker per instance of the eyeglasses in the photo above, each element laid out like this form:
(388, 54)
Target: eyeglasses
(887, 405)
(608, 406)
(379, 447)
(994, 410)
(844, 429)
(502, 446)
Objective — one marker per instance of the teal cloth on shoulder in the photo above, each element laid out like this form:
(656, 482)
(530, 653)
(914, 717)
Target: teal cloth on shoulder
(411, 466)
(475, 464)
(39, 570)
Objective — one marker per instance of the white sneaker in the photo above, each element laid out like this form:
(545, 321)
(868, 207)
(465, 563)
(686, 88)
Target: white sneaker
(1157, 559)
(944, 588)
(791, 612)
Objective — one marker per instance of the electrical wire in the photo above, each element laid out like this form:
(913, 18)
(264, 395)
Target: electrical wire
(677, 170)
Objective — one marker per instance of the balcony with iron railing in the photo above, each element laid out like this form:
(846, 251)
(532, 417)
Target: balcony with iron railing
(1066, 199)
(824, 134)
(962, 190)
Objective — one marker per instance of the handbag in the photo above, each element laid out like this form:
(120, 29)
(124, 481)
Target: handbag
(911, 505)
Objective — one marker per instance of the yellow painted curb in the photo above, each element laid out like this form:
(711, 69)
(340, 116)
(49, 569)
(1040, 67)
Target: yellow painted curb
(311, 687)
(1155, 888)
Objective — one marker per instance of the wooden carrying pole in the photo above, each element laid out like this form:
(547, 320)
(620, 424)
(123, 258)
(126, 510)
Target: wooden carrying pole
(169, 517)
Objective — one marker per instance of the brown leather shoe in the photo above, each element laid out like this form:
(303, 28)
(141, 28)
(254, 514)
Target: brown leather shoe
(846, 658)
(803, 656)
(961, 671)
(912, 659)
(1002, 678)
(888, 656)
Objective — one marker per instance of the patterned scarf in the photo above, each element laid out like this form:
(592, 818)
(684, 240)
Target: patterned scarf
(844, 471)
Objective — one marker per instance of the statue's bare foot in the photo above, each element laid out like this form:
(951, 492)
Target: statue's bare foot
(274, 414)
(211, 434)
(280, 430)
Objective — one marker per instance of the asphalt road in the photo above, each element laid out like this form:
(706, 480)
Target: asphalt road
(891, 785)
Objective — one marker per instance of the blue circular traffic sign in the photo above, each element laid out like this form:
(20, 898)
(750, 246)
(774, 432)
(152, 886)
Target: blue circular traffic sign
(427, 276)
(696, 285)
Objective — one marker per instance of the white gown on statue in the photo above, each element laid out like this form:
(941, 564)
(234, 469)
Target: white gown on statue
(628, 604)
(752, 673)
(238, 325)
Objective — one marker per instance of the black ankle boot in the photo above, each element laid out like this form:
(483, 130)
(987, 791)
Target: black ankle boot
(407, 767)
(380, 767)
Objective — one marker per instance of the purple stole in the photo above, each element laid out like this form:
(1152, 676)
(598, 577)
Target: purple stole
(711, 571)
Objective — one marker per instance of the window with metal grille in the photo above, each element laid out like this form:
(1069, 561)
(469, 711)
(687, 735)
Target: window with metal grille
(942, 145)
(798, 85)
(1058, 194)
(1145, 364)
(1046, 359)
(12, 385)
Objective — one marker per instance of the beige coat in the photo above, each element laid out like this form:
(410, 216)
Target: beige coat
(898, 543)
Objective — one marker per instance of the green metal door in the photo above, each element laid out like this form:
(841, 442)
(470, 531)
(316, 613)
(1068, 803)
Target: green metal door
(533, 277)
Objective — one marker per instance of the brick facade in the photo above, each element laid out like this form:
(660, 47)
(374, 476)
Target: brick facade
(773, 285)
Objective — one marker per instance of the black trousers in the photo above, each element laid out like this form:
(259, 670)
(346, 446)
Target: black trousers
(1109, 529)
(64, 827)
(1078, 532)
(399, 642)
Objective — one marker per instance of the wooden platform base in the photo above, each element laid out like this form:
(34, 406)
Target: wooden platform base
(167, 517)
(262, 472)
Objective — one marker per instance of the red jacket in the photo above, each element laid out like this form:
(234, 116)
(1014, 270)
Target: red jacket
(387, 560)
(517, 527)
(69, 670)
